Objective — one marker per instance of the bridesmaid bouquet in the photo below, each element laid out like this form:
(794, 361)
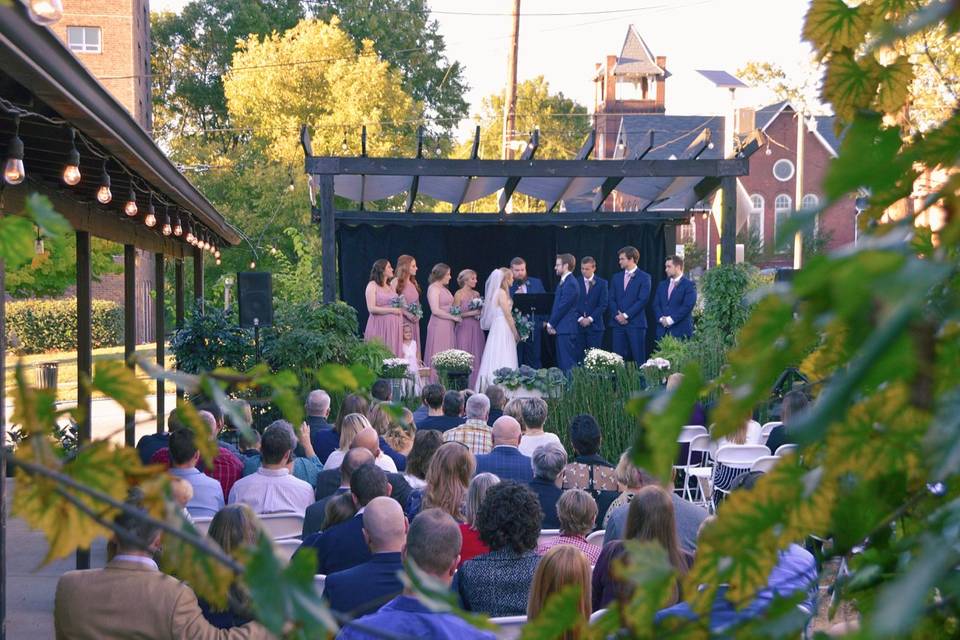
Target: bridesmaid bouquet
(397, 302)
(524, 325)
(456, 312)
(415, 310)
(476, 304)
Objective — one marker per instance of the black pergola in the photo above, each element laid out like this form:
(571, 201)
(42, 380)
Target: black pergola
(574, 191)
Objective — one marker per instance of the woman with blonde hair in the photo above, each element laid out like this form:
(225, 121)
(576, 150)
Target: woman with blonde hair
(399, 432)
(351, 425)
(562, 566)
(500, 350)
(234, 527)
(469, 333)
(407, 287)
(448, 479)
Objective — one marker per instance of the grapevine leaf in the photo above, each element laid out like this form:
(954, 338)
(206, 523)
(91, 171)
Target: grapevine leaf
(868, 158)
(207, 576)
(648, 568)
(41, 211)
(119, 382)
(832, 25)
(850, 84)
(202, 438)
(895, 80)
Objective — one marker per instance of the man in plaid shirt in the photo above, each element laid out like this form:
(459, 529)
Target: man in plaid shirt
(475, 433)
(227, 467)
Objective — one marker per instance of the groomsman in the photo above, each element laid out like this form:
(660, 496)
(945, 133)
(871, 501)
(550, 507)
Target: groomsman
(629, 293)
(528, 352)
(563, 316)
(674, 301)
(593, 306)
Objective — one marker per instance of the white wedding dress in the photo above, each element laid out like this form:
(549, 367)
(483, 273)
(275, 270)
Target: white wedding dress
(500, 349)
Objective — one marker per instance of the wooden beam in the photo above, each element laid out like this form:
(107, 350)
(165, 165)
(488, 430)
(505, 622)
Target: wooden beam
(585, 150)
(513, 181)
(728, 241)
(526, 169)
(178, 300)
(3, 459)
(415, 181)
(129, 332)
(589, 218)
(159, 332)
(611, 183)
(363, 152)
(328, 250)
(84, 355)
(198, 277)
(474, 154)
(305, 141)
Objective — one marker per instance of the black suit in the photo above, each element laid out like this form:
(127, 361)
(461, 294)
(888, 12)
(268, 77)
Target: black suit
(339, 547)
(329, 481)
(547, 493)
(440, 423)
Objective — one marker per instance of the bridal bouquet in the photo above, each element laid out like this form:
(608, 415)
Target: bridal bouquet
(394, 368)
(600, 361)
(453, 361)
(524, 325)
(476, 304)
(655, 371)
(415, 310)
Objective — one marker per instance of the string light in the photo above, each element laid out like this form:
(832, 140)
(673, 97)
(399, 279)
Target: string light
(253, 265)
(768, 151)
(45, 12)
(104, 195)
(218, 262)
(177, 226)
(13, 171)
(189, 231)
(71, 172)
(151, 218)
(343, 145)
(438, 150)
(130, 208)
(167, 228)
(709, 145)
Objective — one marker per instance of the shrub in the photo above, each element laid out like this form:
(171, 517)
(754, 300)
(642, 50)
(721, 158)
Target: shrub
(724, 307)
(211, 339)
(38, 326)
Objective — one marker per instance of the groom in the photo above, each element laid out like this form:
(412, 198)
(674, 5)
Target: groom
(563, 317)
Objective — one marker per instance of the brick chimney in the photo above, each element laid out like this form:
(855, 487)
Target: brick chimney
(610, 82)
(662, 82)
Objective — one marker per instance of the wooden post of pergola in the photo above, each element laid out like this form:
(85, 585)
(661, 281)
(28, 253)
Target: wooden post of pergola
(129, 332)
(178, 298)
(160, 333)
(84, 355)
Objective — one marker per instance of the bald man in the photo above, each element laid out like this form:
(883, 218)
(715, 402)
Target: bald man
(366, 587)
(506, 461)
(369, 439)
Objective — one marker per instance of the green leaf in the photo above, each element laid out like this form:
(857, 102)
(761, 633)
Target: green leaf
(850, 84)
(41, 211)
(207, 576)
(202, 438)
(114, 379)
(832, 25)
(16, 240)
(895, 80)
(868, 158)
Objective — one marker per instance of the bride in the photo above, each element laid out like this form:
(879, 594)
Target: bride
(501, 347)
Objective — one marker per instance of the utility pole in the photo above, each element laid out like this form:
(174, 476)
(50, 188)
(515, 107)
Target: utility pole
(798, 178)
(510, 101)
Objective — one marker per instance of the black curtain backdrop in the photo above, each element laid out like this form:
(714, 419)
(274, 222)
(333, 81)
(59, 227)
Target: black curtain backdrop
(483, 248)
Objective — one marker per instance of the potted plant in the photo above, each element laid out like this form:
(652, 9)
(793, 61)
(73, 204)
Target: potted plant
(655, 371)
(527, 382)
(602, 363)
(395, 370)
(453, 366)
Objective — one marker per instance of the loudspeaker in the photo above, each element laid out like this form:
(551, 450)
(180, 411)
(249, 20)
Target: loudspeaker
(255, 292)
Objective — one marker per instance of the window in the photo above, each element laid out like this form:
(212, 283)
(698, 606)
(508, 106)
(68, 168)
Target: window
(782, 206)
(810, 201)
(84, 39)
(687, 232)
(755, 218)
(782, 169)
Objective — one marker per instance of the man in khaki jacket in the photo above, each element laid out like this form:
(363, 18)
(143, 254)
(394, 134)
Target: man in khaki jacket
(131, 598)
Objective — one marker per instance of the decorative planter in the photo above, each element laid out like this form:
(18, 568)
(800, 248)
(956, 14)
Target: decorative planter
(523, 392)
(400, 388)
(454, 380)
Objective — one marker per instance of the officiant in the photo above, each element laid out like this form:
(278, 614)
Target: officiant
(529, 351)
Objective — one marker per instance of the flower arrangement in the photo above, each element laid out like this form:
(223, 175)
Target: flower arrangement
(524, 325)
(415, 310)
(394, 368)
(456, 311)
(542, 380)
(655, 371)
(475, 304)
(600, 361)
(453, 361)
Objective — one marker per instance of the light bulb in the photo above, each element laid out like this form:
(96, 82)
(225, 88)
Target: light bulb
(218, 261)
(709, 145)
(167, 228)
(130, 208)
(343, 145)
(768, 151)
(438, 150)
(38, 246)
(151, 218)
(177, 226)
(45, 12)
(71, 174)
(216, 254)
(13, 171)
(253, 265)
(104, 195)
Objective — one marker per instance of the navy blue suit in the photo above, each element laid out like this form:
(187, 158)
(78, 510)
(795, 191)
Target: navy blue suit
(339, 547)
(528, 352)
(679, 307)
(366, 587)
(563, 319)
(594, 306)
(507, 463)
(322, 436)
(630, 340)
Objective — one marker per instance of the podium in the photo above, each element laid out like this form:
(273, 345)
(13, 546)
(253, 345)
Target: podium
(533, 303)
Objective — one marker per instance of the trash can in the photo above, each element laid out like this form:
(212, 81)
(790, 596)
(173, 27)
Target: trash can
(47, 375)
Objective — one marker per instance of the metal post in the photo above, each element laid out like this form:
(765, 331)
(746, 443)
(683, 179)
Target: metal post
(3, 459)
(84, 355)
(178, 303)
(198, 277)
(728, 237)
(328, 258)
(129, 332)
(159, 333)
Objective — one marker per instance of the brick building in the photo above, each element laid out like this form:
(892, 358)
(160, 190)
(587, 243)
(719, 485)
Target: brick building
(112, 39)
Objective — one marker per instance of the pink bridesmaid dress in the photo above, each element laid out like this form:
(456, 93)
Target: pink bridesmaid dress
(386, 328)
(411, 295)
(440, 331)
(470, 339)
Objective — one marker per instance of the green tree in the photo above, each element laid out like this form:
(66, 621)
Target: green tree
(50, 273)
(405, 35)
(801, 89)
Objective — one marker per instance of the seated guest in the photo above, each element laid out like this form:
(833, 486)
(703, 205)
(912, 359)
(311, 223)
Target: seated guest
(233, 528)
(561, 567)
(425, 444)
(400, 432)
(650, 519)
(448, 477)
(323, 436)
(273, 489)
(450, 415)
(338, 509)
(433, 544)
(357, 432)
(207, 493)
(498, 398)
(577, 513)
(473, 546)
(250, 448)
(227, 467)
(226, 438)
(342, 546)
(794, 403)
(514, 409)
(329, 481)
(547, 460)
(315, 516)
(534, 411)
(432, 407)
(506, 461)
(355, 403)
(474, 432)
(366, 587)
(630, 479)
(306, 467)
(688, 515)
(588, 471)
(131, 598)
(381, 390)
(498, 583)
(152, 442)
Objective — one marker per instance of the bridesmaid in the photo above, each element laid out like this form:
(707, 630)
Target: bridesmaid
(469, 333)
(440, 329)
(406, 285)
(385, 322)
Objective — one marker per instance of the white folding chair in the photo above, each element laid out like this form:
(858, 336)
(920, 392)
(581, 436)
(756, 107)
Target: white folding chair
(784, 449)
(764, 464)
(202, 524)
(547, 534)
(319, 581)
(702, 471)
(596, 538)
(766, 429)
(687, 434)
(282, 525)
(510, 627)
(731, 461)
(287, 547)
